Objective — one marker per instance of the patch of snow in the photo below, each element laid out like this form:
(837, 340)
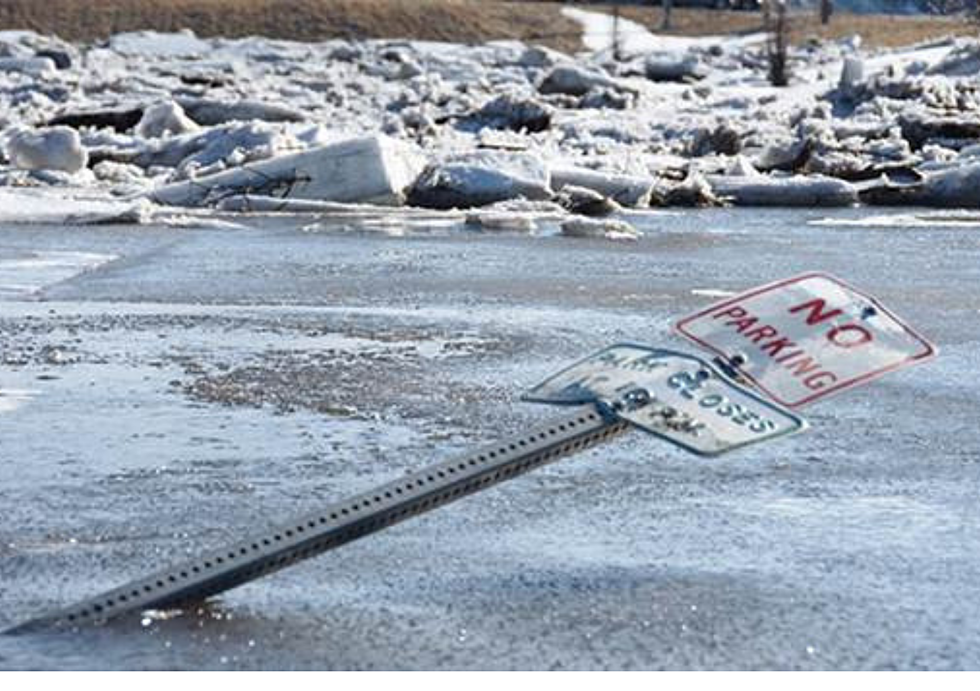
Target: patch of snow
(599, 32)
(154, 44)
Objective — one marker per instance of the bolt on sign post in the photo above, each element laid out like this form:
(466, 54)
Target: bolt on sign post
(799, 338)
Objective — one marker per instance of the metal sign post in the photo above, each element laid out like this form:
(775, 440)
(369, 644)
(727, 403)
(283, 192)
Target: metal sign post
(675, 396)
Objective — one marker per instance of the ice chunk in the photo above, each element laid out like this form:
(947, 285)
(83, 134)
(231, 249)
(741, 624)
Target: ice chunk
(508, 221)
(607, 228)
(628, 190)
(576, 81)
(540, 56)
(55, 148)
(481, 178)
(851, 76)
(785, 153)
(797, 190)
(165, 119)
(370, 169)
(693, 191)
(514, 113)
(959, 186)
(36, 67)
(216, 146)
(207, 111)
(671, 68)
(586, 202)
(963, 60)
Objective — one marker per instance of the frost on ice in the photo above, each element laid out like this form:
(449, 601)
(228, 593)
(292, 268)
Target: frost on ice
(239, 125)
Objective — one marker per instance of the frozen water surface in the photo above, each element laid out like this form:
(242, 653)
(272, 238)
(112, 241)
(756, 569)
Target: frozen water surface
(209, 382)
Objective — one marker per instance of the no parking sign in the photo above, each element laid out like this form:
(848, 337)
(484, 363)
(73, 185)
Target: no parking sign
(806, 337)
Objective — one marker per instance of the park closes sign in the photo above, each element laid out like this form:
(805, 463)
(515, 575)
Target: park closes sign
(806, 337)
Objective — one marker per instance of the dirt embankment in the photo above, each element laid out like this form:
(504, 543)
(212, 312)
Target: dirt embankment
(466, 21)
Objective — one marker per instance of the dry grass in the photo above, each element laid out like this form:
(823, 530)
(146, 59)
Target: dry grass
(468, 21)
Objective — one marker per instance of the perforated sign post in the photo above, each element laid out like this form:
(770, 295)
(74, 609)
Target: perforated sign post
(806, 337)
(675, 396)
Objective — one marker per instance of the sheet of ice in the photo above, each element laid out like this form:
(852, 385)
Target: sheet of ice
(945, 219)
(55, 206)
(26, 273)
(712, 292)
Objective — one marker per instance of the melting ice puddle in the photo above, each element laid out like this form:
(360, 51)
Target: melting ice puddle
(712, 292)
(26, 273)
(12, 399)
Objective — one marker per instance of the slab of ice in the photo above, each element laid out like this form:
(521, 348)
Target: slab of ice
(211, 111)
(370, 169)
(958, 186)
(47, 208)
(628, 190)
(477, 179)
(607, 228)
(37, 67)
(758, 190)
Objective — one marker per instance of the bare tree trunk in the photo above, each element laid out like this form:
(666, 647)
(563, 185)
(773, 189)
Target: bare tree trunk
(777, 41)
(826, 9)
(666, 25)
(617, 46)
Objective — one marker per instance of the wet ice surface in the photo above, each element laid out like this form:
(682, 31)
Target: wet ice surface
(205, 384)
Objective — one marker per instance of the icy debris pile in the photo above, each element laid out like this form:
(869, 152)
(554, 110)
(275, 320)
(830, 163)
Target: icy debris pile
(265, 125)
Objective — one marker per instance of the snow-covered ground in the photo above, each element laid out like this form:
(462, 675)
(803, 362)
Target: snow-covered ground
(261, 126)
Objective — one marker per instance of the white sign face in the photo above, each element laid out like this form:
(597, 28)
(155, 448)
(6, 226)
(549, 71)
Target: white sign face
(685, 400)
(807, 337)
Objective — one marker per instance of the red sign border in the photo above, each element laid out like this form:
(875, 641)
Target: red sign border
(929, 352)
